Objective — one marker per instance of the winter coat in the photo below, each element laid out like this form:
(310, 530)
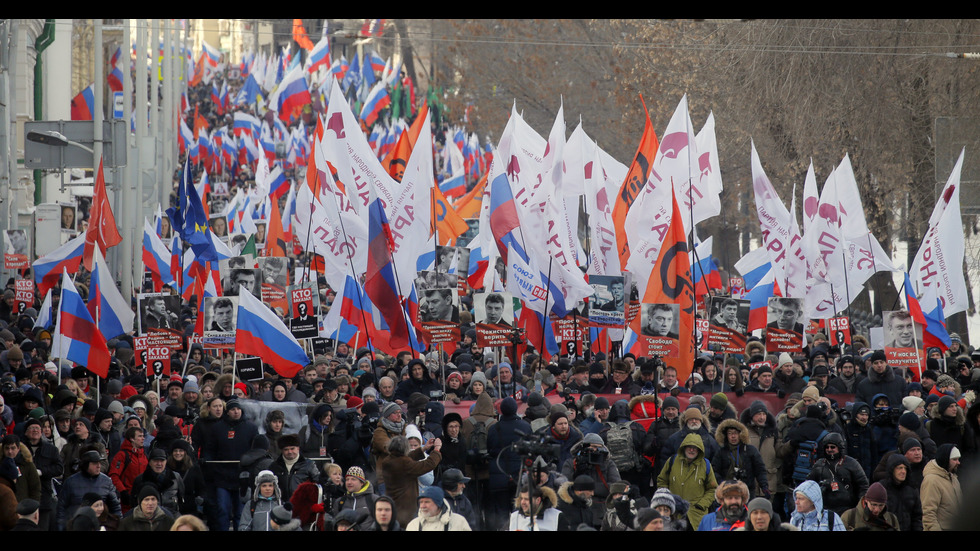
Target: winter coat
(764, 439)
(171, 488)
(744, 457)
(845, 474)
(819, 519)
(409, 386)
(604, 475)
(129, 463)
(483, 412)
(693, 480)
(313, 436)
(903, 497)
(575, 510)
(47, 460)
(888, 383)
(304, 470)
(74, 489)
(362, 499)
(28, 485)
(256, 514)
(673, 444)
(160, 521)
(445, 521)
(840, 385)
(860, 518)
(257, 511)
(74, 447)
(229, 441)
(499, 438)
(792, 383)
(861, 443)
(941, 497)
(401, 480)
(547, 518)
(662, 430)
(952, 430)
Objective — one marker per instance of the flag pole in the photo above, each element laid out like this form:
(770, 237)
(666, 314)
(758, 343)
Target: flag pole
(394, 269)
(874, 282)
(545, 318)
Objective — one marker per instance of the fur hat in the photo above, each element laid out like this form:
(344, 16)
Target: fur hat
(288, 440)
(728, 487)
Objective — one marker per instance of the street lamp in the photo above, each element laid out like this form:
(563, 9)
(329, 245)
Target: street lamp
(56, 139)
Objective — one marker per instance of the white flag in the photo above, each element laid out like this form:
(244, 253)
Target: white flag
(939, 262)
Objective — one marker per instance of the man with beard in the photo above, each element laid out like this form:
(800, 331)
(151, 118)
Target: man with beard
(732, 497)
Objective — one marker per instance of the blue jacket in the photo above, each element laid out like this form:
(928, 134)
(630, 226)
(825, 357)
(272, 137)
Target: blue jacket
(716, 522)
(817, 520)
(75, 488)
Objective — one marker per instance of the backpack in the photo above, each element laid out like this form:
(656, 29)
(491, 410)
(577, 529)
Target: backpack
(619, 442)
(806, 456)
(477, 445)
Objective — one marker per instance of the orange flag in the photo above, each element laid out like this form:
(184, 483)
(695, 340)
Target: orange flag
(101, 223)
(300, 36)
(396, 161)
(670, 283)
(468, 206)
(406, 143)
(275, 242)
(448, 222)
(636, 178)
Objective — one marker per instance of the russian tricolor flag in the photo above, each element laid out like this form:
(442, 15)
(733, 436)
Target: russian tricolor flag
(77, 338)
(759, 301)
(479, 262)
(106, 304)
(156, 258)
(935, 332)
(83, 105)
(261, 333)
(753, 266)
(375, 102)
(319, 55)
(115, 79)
(913, 303)
(212, 55)
(48, 268)
(292, 94)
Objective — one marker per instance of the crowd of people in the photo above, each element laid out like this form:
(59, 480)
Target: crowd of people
(360, 441)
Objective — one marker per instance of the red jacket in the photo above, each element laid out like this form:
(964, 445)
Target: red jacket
(126, 465)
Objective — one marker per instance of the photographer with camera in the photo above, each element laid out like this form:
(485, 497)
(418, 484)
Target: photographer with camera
(354, 432)
(841, 478)
(738, 460)
(885, 425)
(861, 439)
(591, 457)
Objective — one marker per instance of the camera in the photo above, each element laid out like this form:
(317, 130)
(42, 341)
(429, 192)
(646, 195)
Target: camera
(532, 445)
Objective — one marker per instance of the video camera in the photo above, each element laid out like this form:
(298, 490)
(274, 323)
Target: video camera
(531, 445)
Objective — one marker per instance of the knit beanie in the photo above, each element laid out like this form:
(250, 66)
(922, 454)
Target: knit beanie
(876, 493)
(663, 497)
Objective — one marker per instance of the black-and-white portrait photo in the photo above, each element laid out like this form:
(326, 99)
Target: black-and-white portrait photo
(494, 308)
(220, 314)
(660, 320)
(159, 311)
(439, 305)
